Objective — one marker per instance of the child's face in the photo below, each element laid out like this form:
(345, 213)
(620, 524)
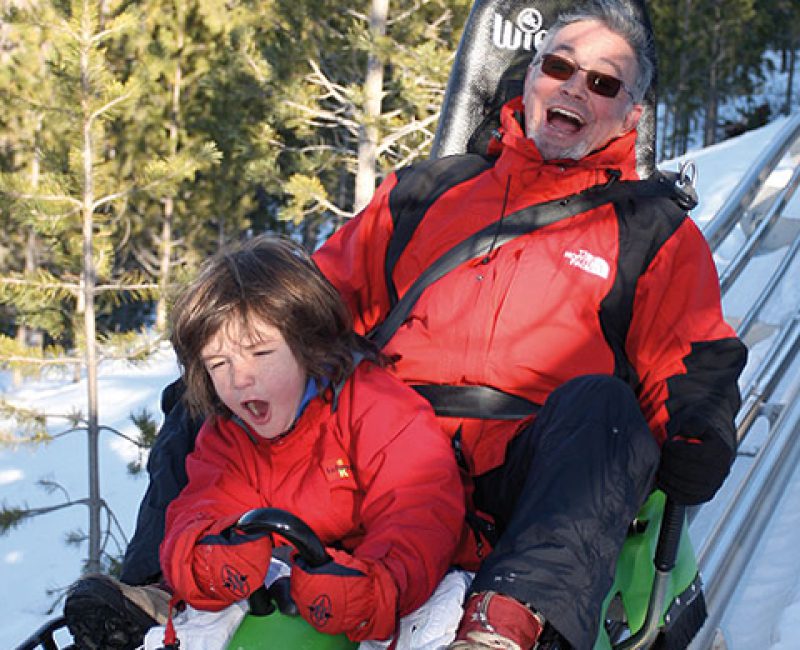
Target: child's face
(256, 376)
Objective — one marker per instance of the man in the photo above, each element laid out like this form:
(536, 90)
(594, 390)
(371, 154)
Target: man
(607, 322)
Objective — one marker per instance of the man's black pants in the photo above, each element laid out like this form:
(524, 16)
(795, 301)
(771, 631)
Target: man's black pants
(570, 486)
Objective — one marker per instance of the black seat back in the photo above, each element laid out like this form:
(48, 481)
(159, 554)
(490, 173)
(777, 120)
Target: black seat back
(497, 44)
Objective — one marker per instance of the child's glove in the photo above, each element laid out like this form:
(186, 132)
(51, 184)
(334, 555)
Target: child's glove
(225, 565)
(694, 466)
(346, 595)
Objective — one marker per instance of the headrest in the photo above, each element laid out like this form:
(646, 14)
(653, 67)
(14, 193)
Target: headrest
(497, 44)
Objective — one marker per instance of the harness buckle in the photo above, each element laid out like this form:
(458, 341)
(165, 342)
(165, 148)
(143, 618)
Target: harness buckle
(686, 194)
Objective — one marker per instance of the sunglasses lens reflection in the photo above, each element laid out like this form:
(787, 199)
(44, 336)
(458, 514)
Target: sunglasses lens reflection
(603, 84)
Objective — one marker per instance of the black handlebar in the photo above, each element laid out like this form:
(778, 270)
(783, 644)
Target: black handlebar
(669, 537)
(265, 521)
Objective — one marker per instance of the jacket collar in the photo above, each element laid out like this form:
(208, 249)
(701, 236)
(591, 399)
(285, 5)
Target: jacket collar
(516, 148)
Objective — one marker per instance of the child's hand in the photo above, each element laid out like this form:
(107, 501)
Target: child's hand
(227, 565)
(346, 595)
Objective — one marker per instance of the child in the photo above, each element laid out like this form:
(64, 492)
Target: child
(294, 421)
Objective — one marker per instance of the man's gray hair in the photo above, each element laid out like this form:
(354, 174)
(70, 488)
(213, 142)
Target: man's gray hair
(620, 19)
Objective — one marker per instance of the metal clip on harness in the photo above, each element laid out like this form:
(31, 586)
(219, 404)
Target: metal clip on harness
(684, 185)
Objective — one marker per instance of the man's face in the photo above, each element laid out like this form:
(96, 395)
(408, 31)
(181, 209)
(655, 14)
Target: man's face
(564, 118)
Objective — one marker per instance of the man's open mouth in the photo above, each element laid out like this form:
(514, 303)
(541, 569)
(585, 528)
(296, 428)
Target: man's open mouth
(565, 120)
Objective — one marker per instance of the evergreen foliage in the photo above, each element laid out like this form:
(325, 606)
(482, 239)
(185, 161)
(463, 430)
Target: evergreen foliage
(137, 138)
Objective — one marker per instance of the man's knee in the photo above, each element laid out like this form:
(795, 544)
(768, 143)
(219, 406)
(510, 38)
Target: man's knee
(590, 389)
(594, 398)
(603, 412)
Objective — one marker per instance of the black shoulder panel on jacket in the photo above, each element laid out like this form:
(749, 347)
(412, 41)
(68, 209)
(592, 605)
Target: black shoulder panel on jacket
(645, 225)
(417, 189)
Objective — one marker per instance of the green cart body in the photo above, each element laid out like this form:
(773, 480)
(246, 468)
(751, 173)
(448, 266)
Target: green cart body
(624, 610)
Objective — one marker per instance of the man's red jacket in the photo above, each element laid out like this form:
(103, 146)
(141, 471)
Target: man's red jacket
(375, 476)
(614, 290)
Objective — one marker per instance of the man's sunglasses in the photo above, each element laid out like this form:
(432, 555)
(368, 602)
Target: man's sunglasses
(599, 83)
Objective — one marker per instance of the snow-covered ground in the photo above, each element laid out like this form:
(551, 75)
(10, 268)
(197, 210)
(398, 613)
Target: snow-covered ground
(36, 563)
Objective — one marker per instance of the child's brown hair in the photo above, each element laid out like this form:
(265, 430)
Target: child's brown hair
(270, 279)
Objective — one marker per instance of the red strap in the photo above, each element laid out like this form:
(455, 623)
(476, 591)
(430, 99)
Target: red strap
(171, 641)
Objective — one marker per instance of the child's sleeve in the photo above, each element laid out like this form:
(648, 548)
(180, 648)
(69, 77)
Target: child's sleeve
(207, 562)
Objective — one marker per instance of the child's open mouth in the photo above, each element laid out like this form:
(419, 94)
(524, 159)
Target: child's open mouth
(258, 409)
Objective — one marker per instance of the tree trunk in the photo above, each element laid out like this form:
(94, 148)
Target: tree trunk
(717, 48)
(787, 107)
(165, 264)
(89, 325)
(680, 123)
(373, 93)
(664, 130)
(23, 332)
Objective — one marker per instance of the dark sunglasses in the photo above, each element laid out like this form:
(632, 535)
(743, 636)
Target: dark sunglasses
(599, 83)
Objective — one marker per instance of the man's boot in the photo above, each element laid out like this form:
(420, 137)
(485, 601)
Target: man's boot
(105, 614)
(497, 622)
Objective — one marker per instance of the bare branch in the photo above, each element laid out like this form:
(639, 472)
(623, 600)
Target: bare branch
(146, 258)
(109, 198)
(40, 361)
(357, 15)
(333, 208)
(402, 16)
(119, 433)
(330, 117)
(22, 282)
(118, 286)
(46, 198)
(339, 93)
(108, 106)
(412, 127)
(251, 62)
(35, 512)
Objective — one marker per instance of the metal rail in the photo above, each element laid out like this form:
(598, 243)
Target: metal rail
(771, 393)
(727, 551)
(731, 210)
(772, 370)
(745, 254)
(775, 280)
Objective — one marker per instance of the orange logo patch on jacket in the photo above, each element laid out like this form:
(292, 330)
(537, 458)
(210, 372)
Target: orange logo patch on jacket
(337, 469)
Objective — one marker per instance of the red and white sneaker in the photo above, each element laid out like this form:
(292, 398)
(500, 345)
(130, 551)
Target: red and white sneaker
(497, 622)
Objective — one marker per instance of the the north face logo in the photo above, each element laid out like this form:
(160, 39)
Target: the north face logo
(585, 261)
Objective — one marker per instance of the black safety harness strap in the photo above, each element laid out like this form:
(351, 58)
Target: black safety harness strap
(481, 401)
(417, 189)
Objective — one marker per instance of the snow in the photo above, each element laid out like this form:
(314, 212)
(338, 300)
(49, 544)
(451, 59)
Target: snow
(36, 563)
(772, 590)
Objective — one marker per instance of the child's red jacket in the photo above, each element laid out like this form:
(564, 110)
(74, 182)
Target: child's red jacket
(376, 477)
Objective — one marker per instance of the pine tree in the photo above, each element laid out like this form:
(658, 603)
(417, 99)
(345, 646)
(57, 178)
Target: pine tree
(195, 58)
(75, 202)
(23, 142)
(368, 100)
